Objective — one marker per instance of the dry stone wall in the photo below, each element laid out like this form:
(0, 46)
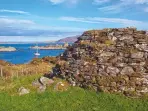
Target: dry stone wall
(108, 60)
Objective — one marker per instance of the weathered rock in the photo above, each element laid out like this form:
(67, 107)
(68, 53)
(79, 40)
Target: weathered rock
(113, 70)
(137, 55)
(121, 64)
(127, 38)
(113, 84)
(84, 37)
(36, 83)
(23, 91)
(127, 71)
(142, 47)
(107, 54)
(46, 81)
(41, 89)
(61, 86)
(143, 90)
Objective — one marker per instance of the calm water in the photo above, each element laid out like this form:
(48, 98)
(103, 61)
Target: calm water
(24, 54)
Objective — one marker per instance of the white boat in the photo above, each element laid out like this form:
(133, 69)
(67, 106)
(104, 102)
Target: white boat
(37, 54)
(37, 51)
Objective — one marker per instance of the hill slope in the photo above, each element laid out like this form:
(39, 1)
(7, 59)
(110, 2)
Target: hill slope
(74, 99)
(68, 39)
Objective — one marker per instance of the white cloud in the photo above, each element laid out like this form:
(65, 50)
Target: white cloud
(44, 38)
(29, 25)
(10, 21)
(140, 1)
(18, 27)
(77, 19)
(119, 21)
(76, 1)
(123, 5)
(58, 28)
(146, 9)
(134, 1)
(62, 1)
(14, 11)
(112, 8)
(57, 1)
(101, 1)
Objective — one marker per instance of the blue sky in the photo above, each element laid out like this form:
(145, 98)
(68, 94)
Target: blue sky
(48, 20)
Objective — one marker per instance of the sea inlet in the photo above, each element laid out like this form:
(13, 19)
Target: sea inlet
(25, 54)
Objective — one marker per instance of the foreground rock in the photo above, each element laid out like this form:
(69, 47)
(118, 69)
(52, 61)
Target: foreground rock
(23, 91)
(46, 81)
(61, 86)
(41, 89)
(42, 83)
(109, 60)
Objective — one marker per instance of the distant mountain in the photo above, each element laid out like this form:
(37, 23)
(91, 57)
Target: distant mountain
(68, 39)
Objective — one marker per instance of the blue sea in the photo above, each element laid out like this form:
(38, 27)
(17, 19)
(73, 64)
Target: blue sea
(24, 54)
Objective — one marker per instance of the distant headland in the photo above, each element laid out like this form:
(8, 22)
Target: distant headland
(51, 47)
(7, 49)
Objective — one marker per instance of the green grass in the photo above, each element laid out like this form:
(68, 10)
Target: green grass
(74, 99)
(11, 86)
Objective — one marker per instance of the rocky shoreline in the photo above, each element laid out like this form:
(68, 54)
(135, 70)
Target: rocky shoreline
(48, 47)
(51, 47)
(7, 49)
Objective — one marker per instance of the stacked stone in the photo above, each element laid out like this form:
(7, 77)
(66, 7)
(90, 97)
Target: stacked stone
(108, 60)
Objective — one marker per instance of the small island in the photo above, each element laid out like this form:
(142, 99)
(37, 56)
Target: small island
(51, 47)
(7, 49)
